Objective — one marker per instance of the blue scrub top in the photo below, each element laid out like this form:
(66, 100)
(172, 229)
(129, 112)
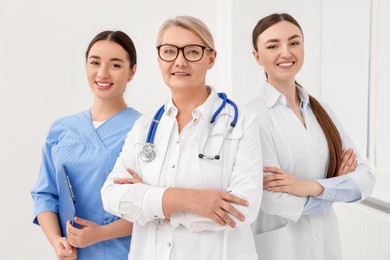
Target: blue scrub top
(87, 155)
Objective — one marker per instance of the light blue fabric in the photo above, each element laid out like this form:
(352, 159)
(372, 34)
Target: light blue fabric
(87, 155)
(336, 189)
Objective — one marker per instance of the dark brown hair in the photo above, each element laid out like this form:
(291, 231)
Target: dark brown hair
(120, 38)
(331, 133)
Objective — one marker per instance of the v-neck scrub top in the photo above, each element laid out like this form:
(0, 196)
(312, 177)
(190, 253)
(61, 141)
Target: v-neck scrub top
(87, 155)
(187, 235)
(292, 227)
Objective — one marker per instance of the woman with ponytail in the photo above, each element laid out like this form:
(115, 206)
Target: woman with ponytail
(309, 160)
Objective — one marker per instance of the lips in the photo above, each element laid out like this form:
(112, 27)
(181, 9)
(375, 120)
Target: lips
(180, 74)
(286, 64)
(103, 85)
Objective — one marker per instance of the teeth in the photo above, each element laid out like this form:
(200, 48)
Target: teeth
(103, 84)
(286, 64)
(180, 74)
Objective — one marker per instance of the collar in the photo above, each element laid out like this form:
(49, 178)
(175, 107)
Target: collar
(208, 105)
(271, 96)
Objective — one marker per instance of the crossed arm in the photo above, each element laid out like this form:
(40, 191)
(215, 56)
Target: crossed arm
(281, 181)
(211, 204)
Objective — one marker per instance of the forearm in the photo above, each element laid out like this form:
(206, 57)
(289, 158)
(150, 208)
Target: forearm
(217, 206)
(314, 188)
(50, 225)
(116, 229)
(175, 200)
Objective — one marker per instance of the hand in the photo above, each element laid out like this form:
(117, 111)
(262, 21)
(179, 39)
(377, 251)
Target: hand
(348, 162)
(64, 250)
(281, 181)
(215, 205)
(211, 204)
(87, 235)
(135, 179)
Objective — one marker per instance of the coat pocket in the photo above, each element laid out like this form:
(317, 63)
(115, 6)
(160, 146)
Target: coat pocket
(275, 245)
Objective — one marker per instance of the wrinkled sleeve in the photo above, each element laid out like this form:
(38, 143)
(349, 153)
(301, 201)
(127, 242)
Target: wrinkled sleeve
(281, 204)
(336, 189)
(245, 181)
(362, 179)
(352, 187)
(45, 193)
(135, 202)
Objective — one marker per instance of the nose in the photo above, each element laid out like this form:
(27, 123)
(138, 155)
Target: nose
(103, 71)
(180, 60)
(286, 53)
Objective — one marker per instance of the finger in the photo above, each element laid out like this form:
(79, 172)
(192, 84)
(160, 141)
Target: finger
(127, 181)
(217, 219)
(70, 229)
(350, 165)
(272, 170)
(227, 207)
(66, 246)
(121, 180)
(273, 184)
(277, 189)
(133, 173)
(345, 157)
(83, 222)
(272, 177)
(353, 166)
(232, 198)
(343, 163)
(226, 220)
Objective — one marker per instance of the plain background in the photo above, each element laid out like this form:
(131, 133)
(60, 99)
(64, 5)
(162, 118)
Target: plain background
(42, 69)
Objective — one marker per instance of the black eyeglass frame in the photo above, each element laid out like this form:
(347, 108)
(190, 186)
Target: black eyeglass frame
(182, 50)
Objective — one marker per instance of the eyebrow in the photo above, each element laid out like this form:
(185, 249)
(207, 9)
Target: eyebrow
(289, 39)
(98, 58)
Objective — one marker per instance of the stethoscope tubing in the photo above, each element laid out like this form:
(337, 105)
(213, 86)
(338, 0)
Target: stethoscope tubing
(160, 112)
(154, 124)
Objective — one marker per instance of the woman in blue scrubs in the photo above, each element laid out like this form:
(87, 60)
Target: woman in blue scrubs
(84, 147)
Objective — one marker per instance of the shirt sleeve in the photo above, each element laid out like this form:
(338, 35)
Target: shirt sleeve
(45, 193)
(135, 202)
(362, 177)
(337, 189)
(245, 181)
(281, 204)
(352, 187)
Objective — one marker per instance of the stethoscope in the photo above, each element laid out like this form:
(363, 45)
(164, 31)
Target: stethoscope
(148, 154)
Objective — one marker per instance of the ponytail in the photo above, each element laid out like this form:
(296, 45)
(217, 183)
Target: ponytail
(332, 136)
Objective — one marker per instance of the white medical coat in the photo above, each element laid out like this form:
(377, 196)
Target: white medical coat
(186, 235)
(281, 230)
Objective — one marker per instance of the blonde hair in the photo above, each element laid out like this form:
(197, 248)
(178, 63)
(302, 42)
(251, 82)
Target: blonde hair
(190, 23)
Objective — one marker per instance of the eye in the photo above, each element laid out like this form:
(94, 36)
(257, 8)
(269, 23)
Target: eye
(116, 66)
(193, 51)
(94, 62)
(270, 47)
(169, 51)
(295, 43)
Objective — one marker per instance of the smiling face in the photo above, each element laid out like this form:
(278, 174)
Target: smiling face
(280, 50)
(108, 70)
(181, 75)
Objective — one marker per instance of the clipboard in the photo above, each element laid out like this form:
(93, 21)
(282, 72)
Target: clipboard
(66, 208)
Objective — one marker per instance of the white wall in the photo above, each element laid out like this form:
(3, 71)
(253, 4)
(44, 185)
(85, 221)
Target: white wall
(42, 73)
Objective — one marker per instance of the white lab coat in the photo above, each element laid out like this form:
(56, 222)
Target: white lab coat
(189, 236)
(281, 231)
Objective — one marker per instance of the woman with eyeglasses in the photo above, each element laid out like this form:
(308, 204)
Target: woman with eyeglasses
(308, 158)
(196, 183)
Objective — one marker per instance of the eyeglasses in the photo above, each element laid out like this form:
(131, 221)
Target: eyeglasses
(192, 52)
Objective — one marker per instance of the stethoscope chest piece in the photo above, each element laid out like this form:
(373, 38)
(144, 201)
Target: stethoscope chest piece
(147, 153)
